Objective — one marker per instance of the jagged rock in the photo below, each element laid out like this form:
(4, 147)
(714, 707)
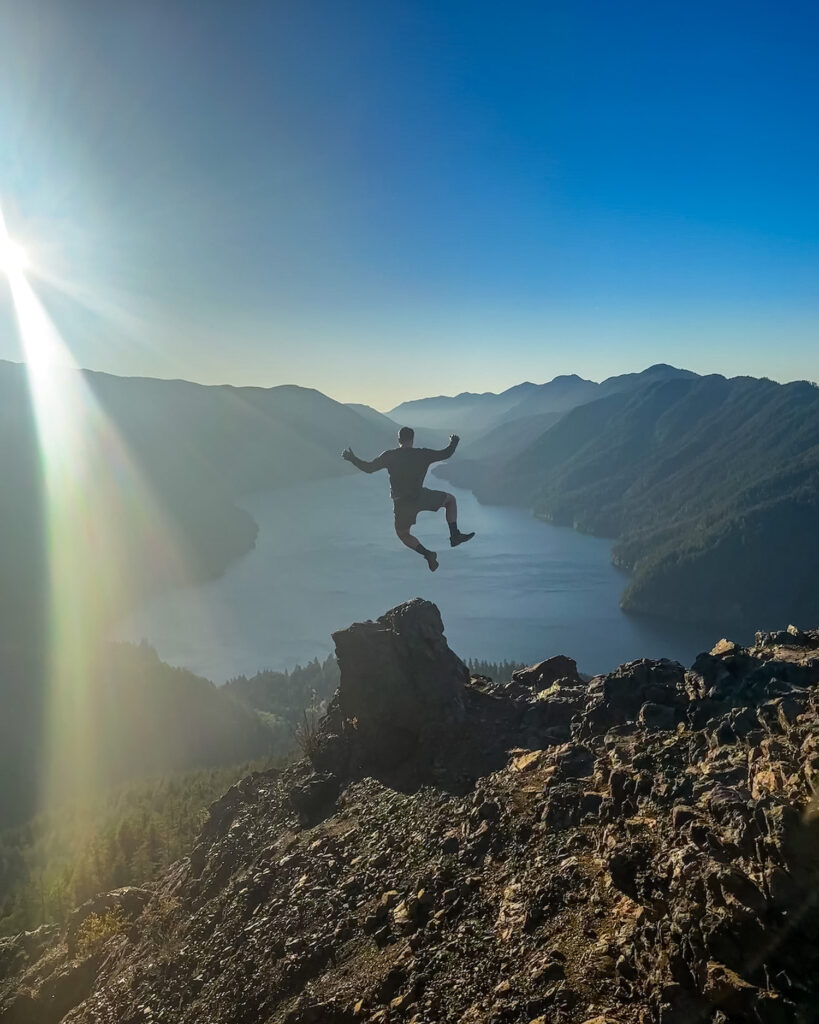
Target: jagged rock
(648, 854)
(543, 675)
(727, 990)
(49, 998)
(616, 699)
(314, 794)
(724, 646)
(657, 716)
(573, 761)
(398, 679)
(548, 720)
(681, 815)
(18, 952)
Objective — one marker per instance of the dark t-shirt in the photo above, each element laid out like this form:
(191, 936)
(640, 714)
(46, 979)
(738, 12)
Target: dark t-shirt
(407, 468)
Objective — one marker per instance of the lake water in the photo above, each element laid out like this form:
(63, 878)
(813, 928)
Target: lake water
(326, 556)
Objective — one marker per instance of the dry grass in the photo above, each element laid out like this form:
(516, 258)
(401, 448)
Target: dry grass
(306, 733)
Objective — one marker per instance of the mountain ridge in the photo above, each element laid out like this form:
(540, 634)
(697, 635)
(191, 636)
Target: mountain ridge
(477, 416)
(194, 449)
(680, 473)
(638, 847)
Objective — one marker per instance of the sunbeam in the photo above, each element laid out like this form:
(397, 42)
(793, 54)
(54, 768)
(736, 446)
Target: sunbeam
(13, 257)
(107, 540)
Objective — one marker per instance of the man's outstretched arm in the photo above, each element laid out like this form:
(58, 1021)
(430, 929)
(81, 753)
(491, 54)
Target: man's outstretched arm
(444, 453)
(362, 464)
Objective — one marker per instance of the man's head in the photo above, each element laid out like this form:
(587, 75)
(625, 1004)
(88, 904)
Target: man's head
(406, 435)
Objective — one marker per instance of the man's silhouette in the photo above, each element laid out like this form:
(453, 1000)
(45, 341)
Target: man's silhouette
(407, 467)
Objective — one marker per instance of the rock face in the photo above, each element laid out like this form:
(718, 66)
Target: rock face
(545, 674)
(648, 853)
(398, 679)
(400, 685)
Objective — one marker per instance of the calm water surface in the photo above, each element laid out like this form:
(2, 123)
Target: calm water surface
(326, 556)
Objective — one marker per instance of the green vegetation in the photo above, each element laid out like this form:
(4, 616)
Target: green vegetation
(710, 487)
(198, 450)
(148, 719)
(55, 862)
(287, 695)
(307, 734)
(97, 929)
(497, 671)
(168, 744)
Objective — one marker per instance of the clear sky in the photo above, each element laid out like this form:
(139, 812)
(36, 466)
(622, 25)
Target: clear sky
(387, 199)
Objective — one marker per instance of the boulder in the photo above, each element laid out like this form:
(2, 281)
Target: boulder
(657, 716)
(314, 795)
(548, 719)
(616, 699)
(399, 679)
(539, 677)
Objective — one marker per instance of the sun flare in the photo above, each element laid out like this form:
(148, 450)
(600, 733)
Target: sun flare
(13, 257)
(105, 536)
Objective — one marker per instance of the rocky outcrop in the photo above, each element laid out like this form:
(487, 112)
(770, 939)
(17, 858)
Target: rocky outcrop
(126, 903)
(398, 679)
(51, 973)
(540, 677)
(648, 853)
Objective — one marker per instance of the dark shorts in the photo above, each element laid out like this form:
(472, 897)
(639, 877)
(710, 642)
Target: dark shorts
(407, 509)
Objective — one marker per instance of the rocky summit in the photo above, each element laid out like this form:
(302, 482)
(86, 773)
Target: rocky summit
(643, 846)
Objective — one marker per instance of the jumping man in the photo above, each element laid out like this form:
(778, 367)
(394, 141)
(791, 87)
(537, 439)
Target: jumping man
(407, 467)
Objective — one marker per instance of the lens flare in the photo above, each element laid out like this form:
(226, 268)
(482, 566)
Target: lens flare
(107, 540)
(13, 257)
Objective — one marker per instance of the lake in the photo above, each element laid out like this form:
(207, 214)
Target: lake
(326, 556)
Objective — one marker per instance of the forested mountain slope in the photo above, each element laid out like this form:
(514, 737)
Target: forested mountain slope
(144, 717)
(476, 416)
(710, 485)
(192, 451)
(197, 448)
(466, 413)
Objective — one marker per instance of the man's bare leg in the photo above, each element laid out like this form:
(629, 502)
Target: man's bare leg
(455, 535)
(414, 544)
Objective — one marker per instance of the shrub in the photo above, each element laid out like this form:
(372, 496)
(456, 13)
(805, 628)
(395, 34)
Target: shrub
(306, 733)
(97, 929)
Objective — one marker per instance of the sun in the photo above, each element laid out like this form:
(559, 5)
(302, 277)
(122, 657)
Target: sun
(13, 257)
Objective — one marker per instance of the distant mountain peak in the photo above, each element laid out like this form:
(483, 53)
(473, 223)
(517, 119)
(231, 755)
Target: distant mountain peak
(667, 368)
(525, 385)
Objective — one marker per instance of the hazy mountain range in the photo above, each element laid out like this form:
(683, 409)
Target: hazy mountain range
(675, 466)
(475, 416)
(198, 449)
(506, 422)
(709, 485)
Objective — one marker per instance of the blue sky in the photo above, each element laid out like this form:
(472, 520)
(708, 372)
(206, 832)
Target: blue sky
(386, 200)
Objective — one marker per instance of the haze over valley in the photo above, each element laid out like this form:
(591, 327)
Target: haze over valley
(707, 486)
